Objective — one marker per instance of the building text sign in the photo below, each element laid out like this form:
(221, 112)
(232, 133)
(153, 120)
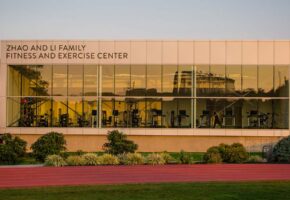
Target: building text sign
(59, 51)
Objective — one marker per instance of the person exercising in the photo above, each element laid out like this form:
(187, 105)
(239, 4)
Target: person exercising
(216, 120)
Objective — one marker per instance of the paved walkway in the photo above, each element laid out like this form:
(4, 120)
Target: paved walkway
(55, 176)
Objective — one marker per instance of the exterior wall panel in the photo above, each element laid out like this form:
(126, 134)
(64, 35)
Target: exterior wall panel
(266, 52)
(107, 46)
(138, 52)
(169, 52)
(281, 52)
(233, 52)
(154, 52)
(93, 143)
(157, 53)
(186, 52)
(202, 52)
(217, 52)
(250, 52)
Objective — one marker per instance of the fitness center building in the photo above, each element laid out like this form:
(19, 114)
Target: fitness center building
(165, 95)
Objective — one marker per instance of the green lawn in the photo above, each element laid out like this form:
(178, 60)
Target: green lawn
(168, 191)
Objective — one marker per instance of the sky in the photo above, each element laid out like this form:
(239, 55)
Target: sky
(146, 19)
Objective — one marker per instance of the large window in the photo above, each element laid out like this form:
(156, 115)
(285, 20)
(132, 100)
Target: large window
(249, 80)
(107, 81)
(90, 112)
(44, 80)
(265, 80)
(152, 96)
(60, 80)
(176, 112)
(138, 80)
(233, 80)
(169, 80)
(185, 81)
(91, 80)
(75, 80)
(153, 80)
(202, 80)
(217, 80)
(122, 79)
(281, 81)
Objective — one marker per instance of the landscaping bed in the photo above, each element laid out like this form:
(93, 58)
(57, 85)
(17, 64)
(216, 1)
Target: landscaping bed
(50, 149)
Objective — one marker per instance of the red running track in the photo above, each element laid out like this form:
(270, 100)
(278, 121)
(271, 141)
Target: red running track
(11, 177)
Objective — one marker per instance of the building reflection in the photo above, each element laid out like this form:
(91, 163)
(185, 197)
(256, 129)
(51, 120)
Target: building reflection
(148, 96)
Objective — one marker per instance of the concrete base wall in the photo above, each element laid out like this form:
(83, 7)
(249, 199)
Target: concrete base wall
(162, 143)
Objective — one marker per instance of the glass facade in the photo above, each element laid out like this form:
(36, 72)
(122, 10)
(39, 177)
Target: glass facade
(149, 96)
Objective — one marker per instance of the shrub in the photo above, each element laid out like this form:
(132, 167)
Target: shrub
(256, 159)
(118, 144)
(236, 153)
(54, 160)
(108, 159)
(224, 152)
(80, 152)
(48, 144)
(91, 159)
(75, 161)
(281, 151)
(212, 155)
(133, 159)
(168, 158)
(11, 149)
(184, 157)
(155, 159)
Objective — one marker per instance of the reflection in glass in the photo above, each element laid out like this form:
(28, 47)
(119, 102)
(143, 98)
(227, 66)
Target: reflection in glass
(22, 80)
(154, 114)
(138, 80)
(202, 80)
(107, 112)
(14, 81)
(135, 113)
(29, 76)
(169, 80)
(249, 80)
(232, 116)
(59, 80)
(90, 80)
(233, 80)
(75, 80)
(265, 117)
(265, 80)
(183, 81)
(123, 112)
(281, 113)
(122, 79)
(209, 113)
(217, 80)
(44, 112)
(90, 115)
(120, 114)
(13, 116)
(75, 112)
(250, 113)
(153, 80)
(177, 112)
(60, 116)
(44, 80)
(107, 82)
(281, 81)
